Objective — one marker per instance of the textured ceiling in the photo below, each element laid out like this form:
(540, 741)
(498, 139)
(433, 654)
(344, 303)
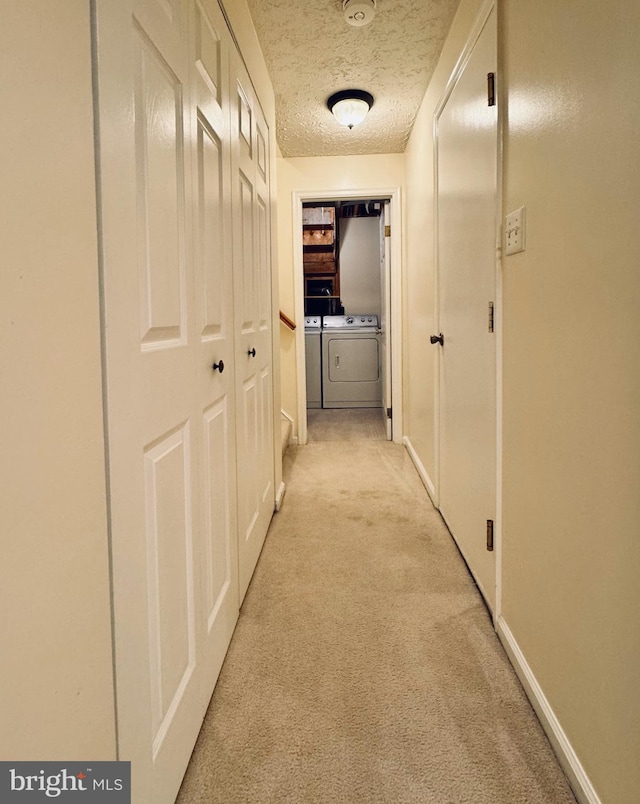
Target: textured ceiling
(312, 52)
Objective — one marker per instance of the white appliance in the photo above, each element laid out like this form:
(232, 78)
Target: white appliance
(313, 358)
(351, 375)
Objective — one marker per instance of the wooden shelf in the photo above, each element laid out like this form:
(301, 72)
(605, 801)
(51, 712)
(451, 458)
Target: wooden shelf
(320, 257)
(318, 215)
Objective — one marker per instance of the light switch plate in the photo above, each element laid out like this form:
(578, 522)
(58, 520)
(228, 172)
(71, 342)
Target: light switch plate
(514, 232)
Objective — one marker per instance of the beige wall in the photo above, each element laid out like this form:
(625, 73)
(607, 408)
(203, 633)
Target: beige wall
(318, 174)
(57, 688)
(571, 326)
(572, 374)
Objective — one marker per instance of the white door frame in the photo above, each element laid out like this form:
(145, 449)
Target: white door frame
(465, 55)
(385, 259)
(394, 196)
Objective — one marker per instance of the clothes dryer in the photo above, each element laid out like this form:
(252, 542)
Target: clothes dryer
(351, 375)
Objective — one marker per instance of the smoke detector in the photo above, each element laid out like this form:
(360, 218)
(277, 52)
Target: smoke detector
(359, 12)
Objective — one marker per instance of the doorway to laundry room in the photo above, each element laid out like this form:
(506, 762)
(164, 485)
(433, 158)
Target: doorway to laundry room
(345, 246)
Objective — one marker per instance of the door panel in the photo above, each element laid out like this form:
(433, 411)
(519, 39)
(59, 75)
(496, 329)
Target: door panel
(248, 438)
(467, 170)
(213, 327)
(220, 536)
(143, 77)
(165, 186)
(170, 576)
(246, 284)
(252, 298)
(160, 188)
(266, 441)
(210, 231)
(263, 272)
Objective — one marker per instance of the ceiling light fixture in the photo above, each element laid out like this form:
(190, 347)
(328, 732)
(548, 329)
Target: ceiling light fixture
(359, 12)
(351, 106)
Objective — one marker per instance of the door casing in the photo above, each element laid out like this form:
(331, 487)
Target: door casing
(393, 196)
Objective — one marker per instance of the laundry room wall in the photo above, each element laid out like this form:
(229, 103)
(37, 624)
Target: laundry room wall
(361, 175)
(360, 265)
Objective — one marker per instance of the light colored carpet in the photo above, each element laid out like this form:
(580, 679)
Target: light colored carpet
(346, 424)
(364, 668)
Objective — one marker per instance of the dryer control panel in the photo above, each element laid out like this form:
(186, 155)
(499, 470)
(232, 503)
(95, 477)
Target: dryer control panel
(360, 321)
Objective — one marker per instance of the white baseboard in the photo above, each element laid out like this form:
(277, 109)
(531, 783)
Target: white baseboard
(293, 439)
(424, 476)
(286, 415)
(576, 774)
(280, 496)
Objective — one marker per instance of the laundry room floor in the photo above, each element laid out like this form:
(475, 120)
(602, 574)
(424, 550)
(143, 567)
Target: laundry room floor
(346, 424)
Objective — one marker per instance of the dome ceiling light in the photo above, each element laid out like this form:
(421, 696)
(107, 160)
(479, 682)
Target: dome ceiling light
(359, 12)
(351, 106)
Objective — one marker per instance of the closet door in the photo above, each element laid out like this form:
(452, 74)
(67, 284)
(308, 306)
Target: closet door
(467, 148)
(253, 335)
(213, 314)
(164, 182)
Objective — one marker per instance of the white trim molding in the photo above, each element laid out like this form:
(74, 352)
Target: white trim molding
(293, 438)
(576, 774)
(280, 496)
(393, 194)
(422, 472)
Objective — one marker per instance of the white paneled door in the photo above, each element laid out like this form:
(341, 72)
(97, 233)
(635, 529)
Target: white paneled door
(210, 127)
(466, 205)
(252, 295)
(167, 112)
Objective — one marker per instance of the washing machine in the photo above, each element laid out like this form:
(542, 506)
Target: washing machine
(351, 374)
(313, 358)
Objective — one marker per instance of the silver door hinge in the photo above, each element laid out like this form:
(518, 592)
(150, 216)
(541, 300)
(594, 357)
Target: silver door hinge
(388, 413)
(491, 317)
(387, 231)
(491, 89)
(489, 534)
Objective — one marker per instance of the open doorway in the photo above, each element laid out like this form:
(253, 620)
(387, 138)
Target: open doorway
(347, 264)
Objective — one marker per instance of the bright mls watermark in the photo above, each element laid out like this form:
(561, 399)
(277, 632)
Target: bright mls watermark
(31, 782)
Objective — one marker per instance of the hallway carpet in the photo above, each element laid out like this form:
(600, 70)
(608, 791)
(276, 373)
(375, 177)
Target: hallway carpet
(346, 424)
(364, 668)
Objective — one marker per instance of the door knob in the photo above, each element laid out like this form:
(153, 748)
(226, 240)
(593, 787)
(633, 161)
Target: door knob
(218, 366)
(437, 339)
(251, 352)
